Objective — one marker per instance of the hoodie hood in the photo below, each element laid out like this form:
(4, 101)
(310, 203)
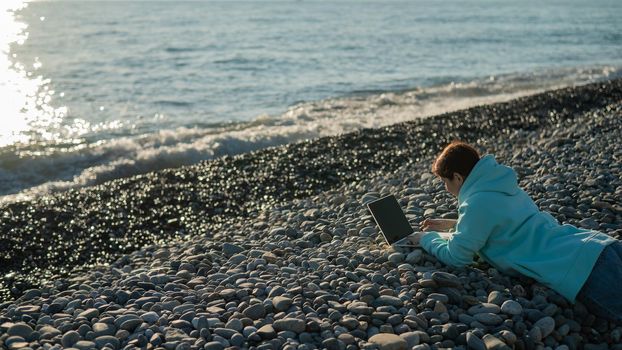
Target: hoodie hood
(489, 176)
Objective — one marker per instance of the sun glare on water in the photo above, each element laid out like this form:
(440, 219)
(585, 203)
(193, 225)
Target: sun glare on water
(25, 95)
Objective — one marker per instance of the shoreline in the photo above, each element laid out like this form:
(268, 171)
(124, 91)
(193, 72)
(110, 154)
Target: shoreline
(278, 240)
(33, 171)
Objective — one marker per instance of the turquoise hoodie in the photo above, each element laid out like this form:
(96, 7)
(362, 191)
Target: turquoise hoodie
(499, 222)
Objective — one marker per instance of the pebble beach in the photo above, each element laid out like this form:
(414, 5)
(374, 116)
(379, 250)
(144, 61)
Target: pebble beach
(275, 249)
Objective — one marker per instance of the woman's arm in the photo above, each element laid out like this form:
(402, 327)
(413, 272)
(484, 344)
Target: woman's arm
(472, 231)
(446, 235)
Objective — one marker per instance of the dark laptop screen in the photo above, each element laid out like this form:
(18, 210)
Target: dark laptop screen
(390, 218)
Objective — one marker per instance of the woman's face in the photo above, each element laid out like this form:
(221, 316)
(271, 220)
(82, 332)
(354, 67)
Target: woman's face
(453, 185)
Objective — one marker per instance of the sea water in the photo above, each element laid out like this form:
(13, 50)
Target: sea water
(96, 90)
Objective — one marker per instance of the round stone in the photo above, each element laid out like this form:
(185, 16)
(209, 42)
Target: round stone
(369, 289)
(13, 339)
(496, 297)
(360, 308)
(414, 256)
(255, 311)
(488, 319)
(237, 340)
(31, 294)
(225, 332)
(446, 279)
(508, 337)
(231, 249)
(484, 308)
(28, 309)
(347, 338)
(85, 345)
(388, 300)
(386, 341)
(350, 323)
(173, 334)
(546, 325)
(511, 307)
(412, 339)
(200, 323)
(237, 259)
(130, 324)
(266, 332)
(536, 334)
(396, 258)
(213, 345)
(474, 342)
(150, 317)
(107, 339)
(48, 332)
(248, 330)
(20, 329)
(281, 303)
(89, 314)
(493, 342)
(70, 338)
(228, 293)
(290, 324)
(18, 345)
(101, 328)
(331, 344)
(235, 324)
(325, 237)
(181, 324)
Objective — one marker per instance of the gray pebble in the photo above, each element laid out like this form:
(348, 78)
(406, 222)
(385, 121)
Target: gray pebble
(107, 339)
(213, 345)
(281, 303)
(70, 338)
(445, 279)
(150, 317)
(84, 345)
(290, 324)
(255, 311)
(235, 324)
(89, 314)
(475, 342)
(488, 318)
(389, 300)
(396, 258)
(511, 307)
(231, 249)
(20, 329)
(546, 325)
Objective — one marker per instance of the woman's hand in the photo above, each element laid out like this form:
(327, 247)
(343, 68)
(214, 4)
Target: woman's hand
(437, 224)
(415, 237)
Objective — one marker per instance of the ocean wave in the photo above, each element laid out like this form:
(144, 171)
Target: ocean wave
(182, 49)
(29, 174)
(173, 103)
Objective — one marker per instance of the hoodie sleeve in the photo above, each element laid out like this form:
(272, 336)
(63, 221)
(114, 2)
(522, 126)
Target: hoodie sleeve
(472, 231)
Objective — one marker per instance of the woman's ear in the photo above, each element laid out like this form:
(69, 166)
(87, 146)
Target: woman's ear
(458, 177)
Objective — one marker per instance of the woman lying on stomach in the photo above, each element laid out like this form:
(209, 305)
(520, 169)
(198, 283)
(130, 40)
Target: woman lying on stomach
(499, 222)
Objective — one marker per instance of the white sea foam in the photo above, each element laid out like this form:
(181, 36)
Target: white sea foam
(29, 175)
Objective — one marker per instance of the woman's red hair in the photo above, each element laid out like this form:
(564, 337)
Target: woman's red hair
(457, 157)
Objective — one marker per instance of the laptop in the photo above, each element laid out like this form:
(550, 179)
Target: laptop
(390, 217)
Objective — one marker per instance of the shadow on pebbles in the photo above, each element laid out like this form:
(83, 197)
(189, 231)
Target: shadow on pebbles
(311, 272)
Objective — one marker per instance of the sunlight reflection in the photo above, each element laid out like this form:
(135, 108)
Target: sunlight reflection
(25, 109)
